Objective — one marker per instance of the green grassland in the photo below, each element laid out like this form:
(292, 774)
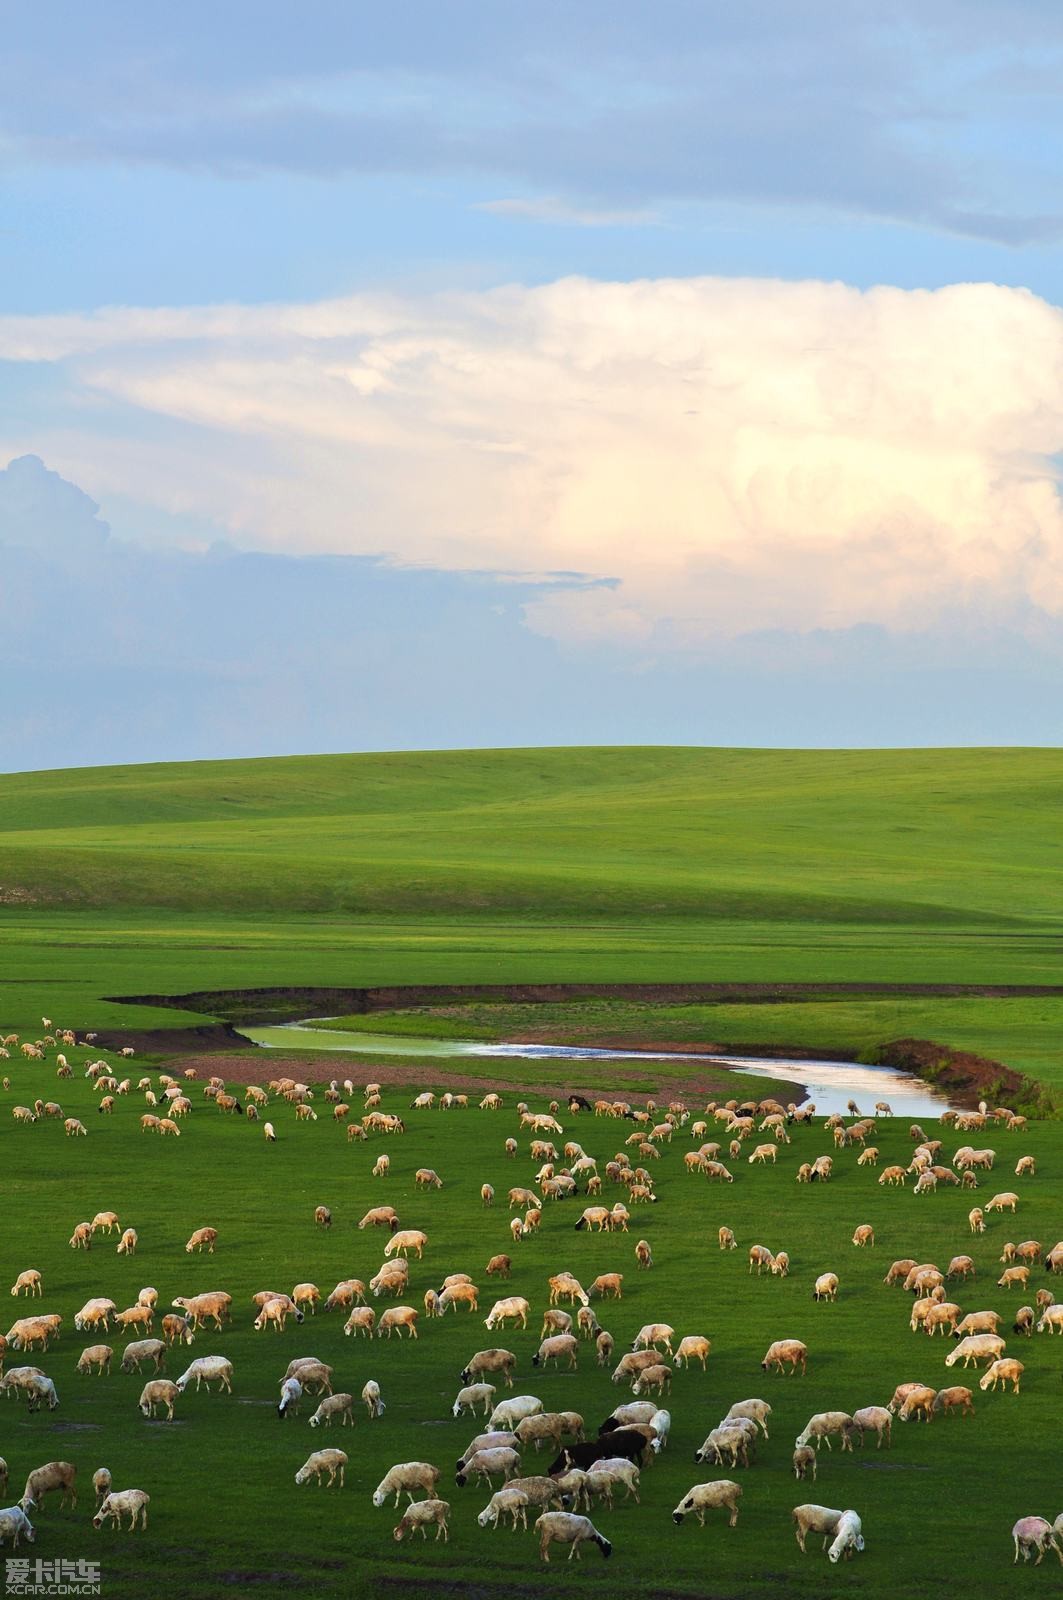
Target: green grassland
(226, 1515)
(553, 866)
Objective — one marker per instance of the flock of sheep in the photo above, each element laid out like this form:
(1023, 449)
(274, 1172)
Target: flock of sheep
(585, 1472)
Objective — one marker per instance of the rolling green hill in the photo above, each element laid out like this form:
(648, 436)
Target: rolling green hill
(933, 838)
(552, 866)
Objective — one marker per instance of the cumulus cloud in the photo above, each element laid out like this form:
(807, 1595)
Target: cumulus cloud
(737, 454)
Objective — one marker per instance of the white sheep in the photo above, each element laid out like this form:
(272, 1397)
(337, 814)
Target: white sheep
(849, 1538)
(404, 1479)
(1034, 1533)
(423, 1514)
(334, 1462)
(563, 1527)
(704, 1497)
(114, 1506)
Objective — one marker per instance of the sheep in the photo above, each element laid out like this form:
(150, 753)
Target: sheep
(730, 1443)
(823, 1426)
(661, 1423)
(98, 1356)
(815, 1519)
(95, 1314)
(892, 1177)
(826, 1286)
(81, 1238)
(786, 1352)
(423, 1514)
(334, 1462)
(275, 1313)
(1034, 1533)
(1005, 1372)
(346, 1293)
(361, 1320)
(28, 1282)
(514, 1498)
(398, 1317)
(42, 1480)
(1013, 1277)
(306, 1294)
(605, 1345)
(139, 1350)
(404, 1479)
(976, 1347)
(555, 1348)
(657, 1377)
(849, 1538)
(631, 1364)
(101, 1484)
(493, 1361)
(644, 1255)
(564, 1527)
(487, 1194)
(40, 1390)
(469, 1398)
(217, 1305)
(864, 1235)
(484, 1464)
(499, 1266)
(942, 1314)
(606, 1475)
(114, 1506)
(139, 1317)
(393, 1278)
(956, 1399)
(610, 1285)
(15, 1525)
(334, 1405)
(805, 1462)
(873, 1419)
(1026, 1167)
(1007, 1201)
(693, 1347)
(202, 1239)
(1051, 1319)
(208, 1370)
(918, 1399)
(426, 1178)
(159, 1392)
(977, 1322)
(1024, 1321)
(652, 1334)
(722, 1492)
(371, 1399)
(176, 1330)
(757, 1411)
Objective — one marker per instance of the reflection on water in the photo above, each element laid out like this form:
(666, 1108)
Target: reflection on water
(830, 1084)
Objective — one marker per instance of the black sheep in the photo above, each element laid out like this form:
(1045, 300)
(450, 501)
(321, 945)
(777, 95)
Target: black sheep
(619, 1442)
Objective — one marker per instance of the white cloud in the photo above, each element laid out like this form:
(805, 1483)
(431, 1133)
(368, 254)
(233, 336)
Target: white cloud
(740, 454)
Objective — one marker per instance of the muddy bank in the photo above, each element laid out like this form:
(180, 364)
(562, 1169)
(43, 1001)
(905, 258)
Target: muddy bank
(967, 1078)
(628, 1079)
(172, 1041)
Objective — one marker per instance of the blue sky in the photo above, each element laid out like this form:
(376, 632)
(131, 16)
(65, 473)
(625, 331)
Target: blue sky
(629, 346)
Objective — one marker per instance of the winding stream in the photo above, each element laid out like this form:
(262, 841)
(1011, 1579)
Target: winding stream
(830, 1084)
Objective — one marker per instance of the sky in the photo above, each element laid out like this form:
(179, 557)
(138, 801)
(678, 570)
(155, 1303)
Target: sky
(466, 374)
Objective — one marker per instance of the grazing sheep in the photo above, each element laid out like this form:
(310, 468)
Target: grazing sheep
(490, 1361)
(864, 1234)
(398, 1317)
(1034, 1533)
(824, 1426)
(159, 1392)
(976, 1347)
(918, 1399)
(826, 1286)
(15, 1525)
(208, 1370)
(873, 1419)
(101, 1484)
(469, 1398)
(1005, 1372)
(202, 1239)
(139, 1350)
(371, 1399)
(722, 1493)
(485, 1464)
(115, 1506)
(815, 1519)
(423, 1514)
(805, 1462)
(694, 1347)
(28, 1282)
(849, 1538)
(334, 1405)
(42, 1480)
(334, 1462)
(564, 1527)
(956, 1399)
(786, 1352)
(605, 1476)
(499, 1266)
(756, 1411)
(96, 1356)
(404, 1479)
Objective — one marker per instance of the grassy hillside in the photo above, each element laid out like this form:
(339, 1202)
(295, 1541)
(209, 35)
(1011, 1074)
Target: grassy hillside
(926, 838)
(519, 866)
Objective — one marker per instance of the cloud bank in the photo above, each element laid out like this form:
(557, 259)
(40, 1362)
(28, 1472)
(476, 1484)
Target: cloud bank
(738, 455)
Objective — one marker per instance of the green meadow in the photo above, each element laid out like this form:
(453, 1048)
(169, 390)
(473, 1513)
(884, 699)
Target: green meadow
(925, 869)
(226, 1515)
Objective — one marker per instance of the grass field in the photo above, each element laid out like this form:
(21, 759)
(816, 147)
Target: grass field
(598, 867)
(226, 1515)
